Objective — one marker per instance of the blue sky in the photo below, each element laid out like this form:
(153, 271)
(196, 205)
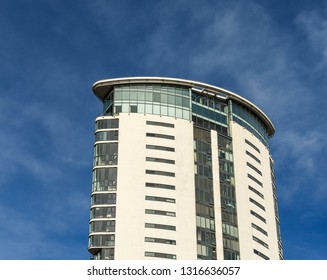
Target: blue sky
(274, 53)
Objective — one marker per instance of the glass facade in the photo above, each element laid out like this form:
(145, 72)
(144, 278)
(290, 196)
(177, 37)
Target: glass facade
(156, 99)
(104, 187)
(250, 121)
(181, 102)
(228, 198)
(209, 108)
(205, 214)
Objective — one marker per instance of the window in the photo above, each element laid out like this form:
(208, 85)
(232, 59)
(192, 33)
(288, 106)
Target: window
(160, 148)
(256, 192)
(161, 160)
(205, 222)
(227, 191)
(230, 230)
(104, 198)
(231, 244)
(111, 135)
(102, 240)
(163, 136)
(153, 99)
(133, 108)
(261, 254)
(158, 172)
(159, 255)
(258, 216)
(257, 204)
(255, 180)
(118, 109)
(160, 124)
(253, 156)
(205, 236)
(229, 217)
(160, 212)
(259, 229)
(252, 145)
(103, 226)
(160, 240)
(107, 123)
(231, 255)
(254, 168)
(160, 199)
(104, 179)
(103, 212)
(160, 186)
(106, 154)
(160, 226)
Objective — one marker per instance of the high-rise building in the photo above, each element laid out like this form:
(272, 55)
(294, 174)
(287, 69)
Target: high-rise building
(182, 170)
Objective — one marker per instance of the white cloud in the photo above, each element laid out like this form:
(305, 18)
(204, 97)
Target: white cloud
(304, 147)
(299, 161)
(314, 26)
(22, 238)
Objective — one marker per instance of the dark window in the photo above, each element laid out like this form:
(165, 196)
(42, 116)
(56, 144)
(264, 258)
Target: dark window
(158, 172)
(231, 255)
(160, 240)
(160, 148)
(259, 229)
(107, 123)
(258, 216)
(133, 108)
(102, 240)
(157, 135)
(252, 145)
(160, 124)
(159, 255)
(111, 135)
(256, 192)
(160, 212)
(255, 180)
(253, 156)
(229, 217)
(261, 254)
(104, 179)
(254, 168)
(257, 204)
(104, 198)
(160, 186)
(160, 226)
(103, 226)
(106, 154)
(231, 244)
(118, 109)
(162, 160)
(103, 212)
(160, 199)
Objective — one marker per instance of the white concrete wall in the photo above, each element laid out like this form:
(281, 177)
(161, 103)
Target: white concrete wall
(131, 190)
(244, 206)
(216, 193)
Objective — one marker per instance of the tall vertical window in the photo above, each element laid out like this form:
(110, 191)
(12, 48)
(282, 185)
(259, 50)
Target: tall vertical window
(206, 238)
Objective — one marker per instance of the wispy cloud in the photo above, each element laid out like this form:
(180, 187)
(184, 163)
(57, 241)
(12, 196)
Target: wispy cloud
(26, 237)
(314, 26)
(240, 46)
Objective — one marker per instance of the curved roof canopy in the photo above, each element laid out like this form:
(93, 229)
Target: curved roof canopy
(102, 87)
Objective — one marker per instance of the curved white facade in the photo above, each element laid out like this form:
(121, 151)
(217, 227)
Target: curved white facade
(182, 170)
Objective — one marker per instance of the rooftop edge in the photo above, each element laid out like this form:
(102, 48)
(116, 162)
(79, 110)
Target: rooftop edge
(101, 88)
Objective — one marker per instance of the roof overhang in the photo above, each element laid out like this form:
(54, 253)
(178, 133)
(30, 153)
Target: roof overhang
(102, 87)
